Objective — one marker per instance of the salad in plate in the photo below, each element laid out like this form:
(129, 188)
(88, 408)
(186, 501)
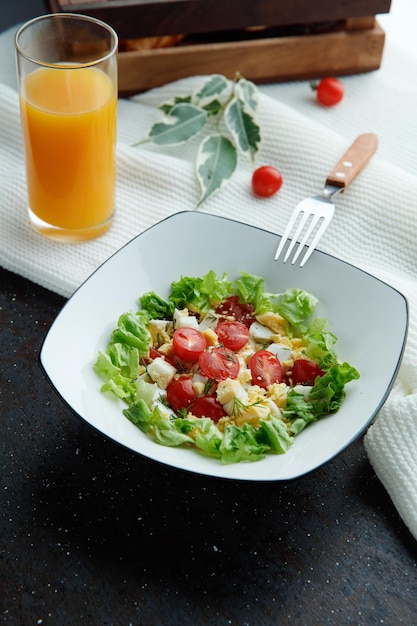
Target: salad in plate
(224, 366)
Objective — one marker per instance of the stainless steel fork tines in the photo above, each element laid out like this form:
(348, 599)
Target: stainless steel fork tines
(307, 224)
(312, 216)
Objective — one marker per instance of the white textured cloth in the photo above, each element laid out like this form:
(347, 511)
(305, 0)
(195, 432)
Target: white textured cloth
(374, 226)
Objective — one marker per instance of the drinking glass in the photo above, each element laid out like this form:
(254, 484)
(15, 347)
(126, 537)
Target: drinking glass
(67, 80)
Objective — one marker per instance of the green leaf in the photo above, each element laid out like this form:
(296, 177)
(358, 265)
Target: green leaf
(218, 100)
(184, 121)
(240, 444)
(214, 86)
(248, 93)
(168, 106)
(213, 108)
(320, 343)
(299, 412)
(155, 306)
(243, 127)
(202, 292)
(296, 305)
(273, 432)
(250, 288)
(328, 391)
(216, 163)
(131, 330)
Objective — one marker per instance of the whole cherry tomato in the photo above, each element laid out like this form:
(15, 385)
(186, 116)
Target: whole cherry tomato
(266, 181)
(305, 372)
(208, 406)
(329, 91)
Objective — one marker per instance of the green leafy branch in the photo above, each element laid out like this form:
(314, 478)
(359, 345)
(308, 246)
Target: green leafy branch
(226, 109)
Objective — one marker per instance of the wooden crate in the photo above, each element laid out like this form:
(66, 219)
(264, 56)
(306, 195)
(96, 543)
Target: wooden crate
(263, 40)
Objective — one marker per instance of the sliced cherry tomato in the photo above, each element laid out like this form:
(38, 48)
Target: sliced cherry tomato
(219, 363)
(233, 335)
(266, 181)
(180, 393)
(265, 369)
(240, 311)
(154, 354)
(329, 91)
(188, 344)
(208, 406)
(305, 372)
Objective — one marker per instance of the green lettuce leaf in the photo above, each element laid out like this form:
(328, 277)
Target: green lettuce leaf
(155, 306)
(240, 444)
(131, 329)
(139, 414)
(320, 344)
(251, 288)
(326, 396)
(329, 392)
(165, 431)
(118, 366)
(126, 358)
(274, 433)
(296, 305)
(298, 411)
(120, 387)
(203, 293)
(116, 383)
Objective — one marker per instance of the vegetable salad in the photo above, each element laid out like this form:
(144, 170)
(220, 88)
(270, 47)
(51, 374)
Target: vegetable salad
(225, 367)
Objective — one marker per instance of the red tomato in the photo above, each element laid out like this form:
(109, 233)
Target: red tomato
(241, 311)
(180, 393)
(188, 344)
(266, 181)
(265, 369)
(219, 363)
(233, 335)
(208, 406)
(330, 91)
(154, 354)
(305, 372)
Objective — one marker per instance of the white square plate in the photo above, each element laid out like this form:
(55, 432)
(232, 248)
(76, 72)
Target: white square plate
(368, 317)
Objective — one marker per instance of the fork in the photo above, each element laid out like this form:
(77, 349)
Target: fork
(316, 212)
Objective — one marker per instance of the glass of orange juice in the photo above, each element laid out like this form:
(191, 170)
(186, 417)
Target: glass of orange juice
(67, 78)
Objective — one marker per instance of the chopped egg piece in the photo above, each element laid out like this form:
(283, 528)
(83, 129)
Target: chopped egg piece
(281, 351)
(274, 321)
(244, 376)
(259, 332)
(161, 372)
(210, 321)
(160, 330)
(211, 337)
(182, 319)
(229, 392)
(303, 389)
(278, 394)
(199, 388)
(165, 410)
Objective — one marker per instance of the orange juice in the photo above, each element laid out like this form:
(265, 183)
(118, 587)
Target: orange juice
(69, 131)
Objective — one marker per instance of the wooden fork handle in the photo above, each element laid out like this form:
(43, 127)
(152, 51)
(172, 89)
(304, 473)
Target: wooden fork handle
(353, 161)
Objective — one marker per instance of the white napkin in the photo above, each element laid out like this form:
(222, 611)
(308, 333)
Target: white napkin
(374, 225)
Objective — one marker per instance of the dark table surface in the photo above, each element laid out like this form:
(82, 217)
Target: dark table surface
(91, 533)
